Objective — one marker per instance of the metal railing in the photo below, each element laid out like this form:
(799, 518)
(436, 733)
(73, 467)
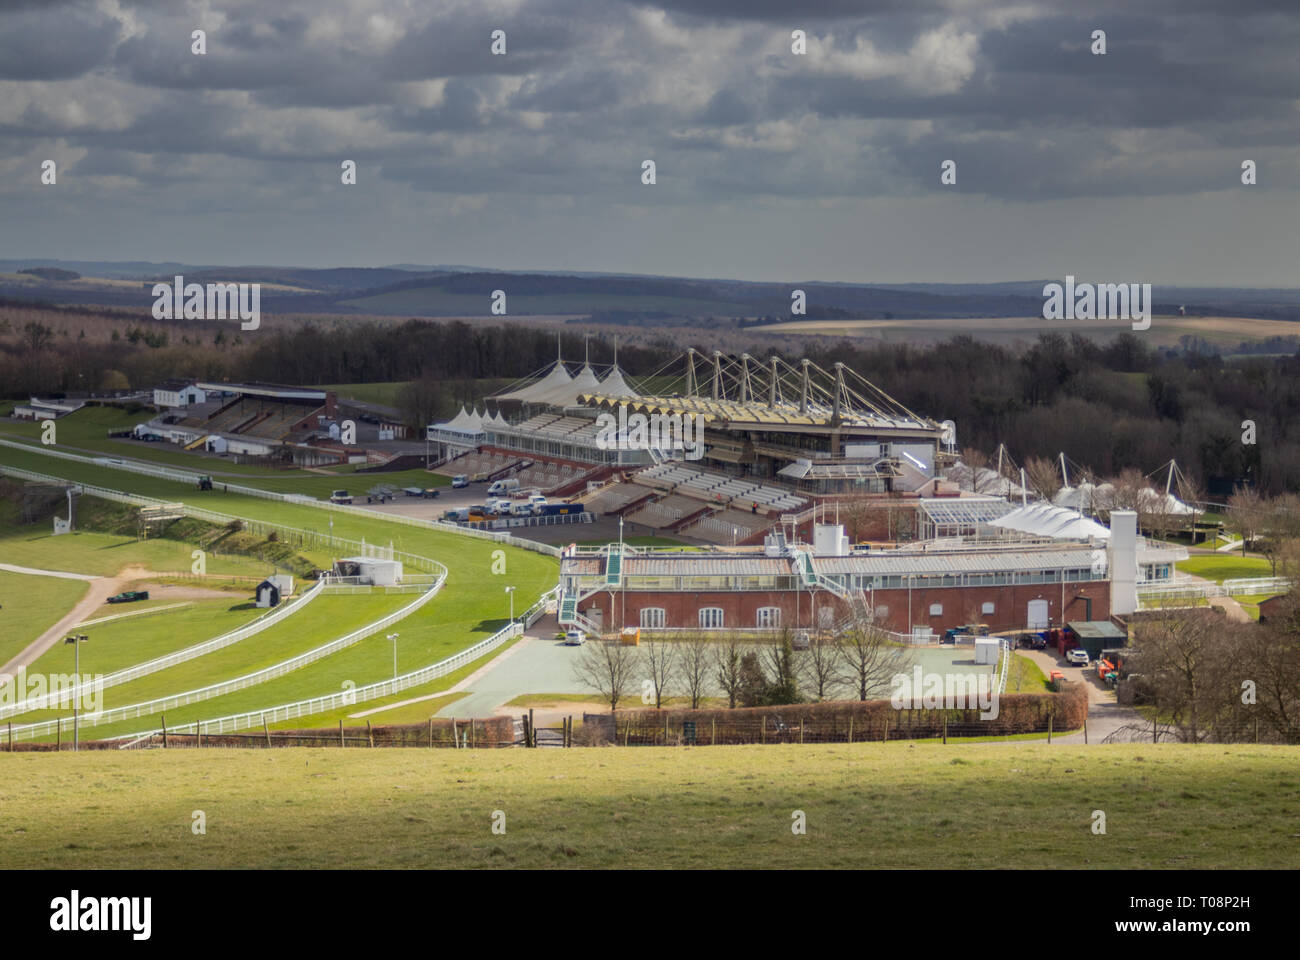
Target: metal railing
(345, 698)
(268, 619)
(294, 498)
(44, 728)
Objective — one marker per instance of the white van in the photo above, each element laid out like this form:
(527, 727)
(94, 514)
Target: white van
(459, 481)
(536, 502)
(499, 507)
(501, 487)
(521, 508)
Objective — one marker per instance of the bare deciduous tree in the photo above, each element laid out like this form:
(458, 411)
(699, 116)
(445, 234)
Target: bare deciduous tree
(870, 657)
(727, 658)
(696, 658)
(660, 659)
(821, 667)
(1042, 477)
(606, 667)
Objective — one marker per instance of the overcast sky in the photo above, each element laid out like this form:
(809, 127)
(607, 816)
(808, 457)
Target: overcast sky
(770, 165)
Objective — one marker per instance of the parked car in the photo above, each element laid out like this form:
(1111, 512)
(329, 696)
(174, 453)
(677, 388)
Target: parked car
(1077, 656)
(129, 596)
(458, 481)
(574, 638)
(340, 496)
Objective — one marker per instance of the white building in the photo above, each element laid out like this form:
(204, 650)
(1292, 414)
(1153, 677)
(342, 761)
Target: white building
(178, 393)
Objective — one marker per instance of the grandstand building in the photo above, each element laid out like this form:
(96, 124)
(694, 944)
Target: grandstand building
(257, 420)
(1007, 580)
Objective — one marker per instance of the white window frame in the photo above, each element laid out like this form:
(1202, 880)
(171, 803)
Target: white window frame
(988, 606)
(707, 618)
(936, 609)
(658, 614)
(768, 618)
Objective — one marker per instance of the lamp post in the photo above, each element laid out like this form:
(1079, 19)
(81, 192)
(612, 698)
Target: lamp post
(511, 592)
(76, 640)
(393, 637)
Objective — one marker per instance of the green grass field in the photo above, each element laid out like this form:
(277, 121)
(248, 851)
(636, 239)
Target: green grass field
(104, 554)
(980, 806)
(137, 638)
(1223, 566)
(30, 605)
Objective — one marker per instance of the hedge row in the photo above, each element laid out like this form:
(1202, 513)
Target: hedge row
(842, 721)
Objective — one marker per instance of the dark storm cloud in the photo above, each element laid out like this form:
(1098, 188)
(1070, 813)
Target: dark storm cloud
(54, 42)
(707, 88)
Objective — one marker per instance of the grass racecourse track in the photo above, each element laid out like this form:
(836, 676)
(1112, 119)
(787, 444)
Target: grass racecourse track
(473, 604)
(1025, 805)
(30, 605)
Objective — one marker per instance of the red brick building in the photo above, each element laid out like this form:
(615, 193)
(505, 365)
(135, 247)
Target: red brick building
(1007, 586)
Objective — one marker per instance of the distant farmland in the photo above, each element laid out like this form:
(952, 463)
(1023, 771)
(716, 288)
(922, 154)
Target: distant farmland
(1165, 331)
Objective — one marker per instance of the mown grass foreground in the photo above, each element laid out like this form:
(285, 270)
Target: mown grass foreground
(866, 805)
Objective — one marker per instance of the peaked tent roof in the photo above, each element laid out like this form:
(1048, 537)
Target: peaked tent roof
(615, 386)
(537, 391)
(1045, 520)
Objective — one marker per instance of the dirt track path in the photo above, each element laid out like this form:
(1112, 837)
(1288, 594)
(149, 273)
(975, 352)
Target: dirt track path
(101, 588)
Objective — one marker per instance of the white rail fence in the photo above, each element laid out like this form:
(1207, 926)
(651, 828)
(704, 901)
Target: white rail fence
(185, 476)
(344, 698)
(44, 728)
(268, 619)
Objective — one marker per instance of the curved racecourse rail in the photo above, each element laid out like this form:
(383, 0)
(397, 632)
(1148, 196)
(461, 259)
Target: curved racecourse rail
(268, 619)
(45, 727)
(347, 698)
(185, 476)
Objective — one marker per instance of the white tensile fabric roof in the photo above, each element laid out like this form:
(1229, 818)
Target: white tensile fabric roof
(1045, 520)
(1087, 496)
(537, 391)
(463, 422)
(615, 386)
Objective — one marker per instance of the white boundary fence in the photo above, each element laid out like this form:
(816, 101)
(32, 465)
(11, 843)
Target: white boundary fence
(345, 698)
(31, 730)
(185, 476)
(1203, 588)
(270, 618)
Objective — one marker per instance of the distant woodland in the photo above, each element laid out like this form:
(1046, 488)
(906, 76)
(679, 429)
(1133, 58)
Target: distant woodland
(1111, 406)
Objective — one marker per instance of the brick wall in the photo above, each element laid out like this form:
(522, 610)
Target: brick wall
(960, 604)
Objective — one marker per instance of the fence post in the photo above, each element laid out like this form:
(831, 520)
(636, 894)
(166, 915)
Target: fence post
(1049, 728)
(370, 733)
(713, 740)
(473, 736)
(430, 731)
(802, 723)
(341, 743)
(763, 733)
(885, 738)
(532, 730)
(265, 729)
(58, 735)
(945, 729)
(11, 736)
(850, 728)
(1085, 728)
(163, 718)
(198, 734)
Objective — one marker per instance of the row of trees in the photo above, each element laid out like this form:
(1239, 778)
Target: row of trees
(861, 661)
(1209, 679)
(1115, 406)
(1269, 525)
